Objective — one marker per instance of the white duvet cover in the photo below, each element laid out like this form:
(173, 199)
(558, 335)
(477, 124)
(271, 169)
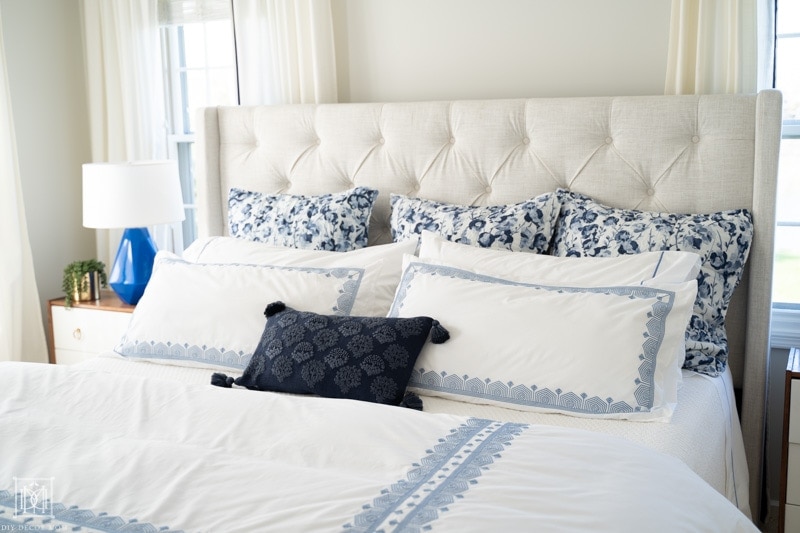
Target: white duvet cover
(704, 431)
(127, 453)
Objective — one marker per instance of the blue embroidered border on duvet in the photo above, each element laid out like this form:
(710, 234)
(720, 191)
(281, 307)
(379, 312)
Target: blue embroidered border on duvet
(63, 518)
(440, 478)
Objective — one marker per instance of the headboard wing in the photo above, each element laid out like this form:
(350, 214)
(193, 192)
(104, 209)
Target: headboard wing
(661, 153)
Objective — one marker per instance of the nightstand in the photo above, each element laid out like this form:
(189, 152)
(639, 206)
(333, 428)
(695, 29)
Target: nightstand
(789, 516)
(86, 329)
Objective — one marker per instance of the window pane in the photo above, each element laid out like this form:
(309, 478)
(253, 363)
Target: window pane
(194, 45)
(788, 206)
(188, 189)
(788, 18)
(219, 41)
(786, 285)
(787, 75)
(222, 86)
(195, 96)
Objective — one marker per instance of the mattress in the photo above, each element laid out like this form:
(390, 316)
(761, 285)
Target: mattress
(704, 431)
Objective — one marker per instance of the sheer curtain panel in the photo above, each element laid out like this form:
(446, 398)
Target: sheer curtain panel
(285, 51)
(713, 47)
(127, 117)
(21, 329)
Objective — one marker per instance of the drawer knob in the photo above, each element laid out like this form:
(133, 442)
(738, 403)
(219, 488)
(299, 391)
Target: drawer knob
(77, 334)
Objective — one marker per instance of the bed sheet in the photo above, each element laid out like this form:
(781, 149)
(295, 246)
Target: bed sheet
(133, 453)
(704, 431)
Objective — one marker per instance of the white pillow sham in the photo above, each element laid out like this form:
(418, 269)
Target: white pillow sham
(211, 315)
(646, 267)
(593, 351)
(382, 264)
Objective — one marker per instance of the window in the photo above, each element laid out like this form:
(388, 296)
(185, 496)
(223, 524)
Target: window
(198, 56)
(786, 289)
(786, 284)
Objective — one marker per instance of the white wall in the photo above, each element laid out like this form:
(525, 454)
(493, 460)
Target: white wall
(44, 57)
(405, 50)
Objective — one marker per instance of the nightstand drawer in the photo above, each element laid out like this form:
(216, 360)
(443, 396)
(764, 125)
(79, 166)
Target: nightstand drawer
(792, 522)
(789, 511)
(793, 479)
(87, 330)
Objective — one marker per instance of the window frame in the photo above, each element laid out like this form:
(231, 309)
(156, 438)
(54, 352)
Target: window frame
(785, 324)
(181, 138)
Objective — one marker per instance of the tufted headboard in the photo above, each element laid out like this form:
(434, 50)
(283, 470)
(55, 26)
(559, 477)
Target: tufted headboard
(684, 154)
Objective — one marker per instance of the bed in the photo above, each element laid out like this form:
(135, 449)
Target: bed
(428, 259)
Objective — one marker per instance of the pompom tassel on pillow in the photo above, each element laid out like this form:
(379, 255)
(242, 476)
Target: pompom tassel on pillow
(221, 380)
(411, 401)
(274, 308)
(439, 334)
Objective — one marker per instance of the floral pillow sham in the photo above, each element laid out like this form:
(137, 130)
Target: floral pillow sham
(587, 228)
(526, 226)
(336, 222)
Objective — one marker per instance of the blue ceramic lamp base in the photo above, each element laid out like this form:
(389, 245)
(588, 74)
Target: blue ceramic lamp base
(133, 265)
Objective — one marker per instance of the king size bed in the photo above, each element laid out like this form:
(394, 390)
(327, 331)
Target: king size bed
(453, 316)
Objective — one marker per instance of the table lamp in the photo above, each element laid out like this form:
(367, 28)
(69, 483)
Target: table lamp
(132, 195)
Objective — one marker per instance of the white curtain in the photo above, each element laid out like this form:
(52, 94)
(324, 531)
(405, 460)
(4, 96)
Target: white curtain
(713, 47)
(765, 16)
(21, 330)
(127, 118)
(285, 51)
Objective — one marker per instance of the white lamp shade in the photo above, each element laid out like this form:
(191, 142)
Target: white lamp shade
(131, 195)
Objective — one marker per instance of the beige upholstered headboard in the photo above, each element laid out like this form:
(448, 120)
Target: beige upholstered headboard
(685, 154)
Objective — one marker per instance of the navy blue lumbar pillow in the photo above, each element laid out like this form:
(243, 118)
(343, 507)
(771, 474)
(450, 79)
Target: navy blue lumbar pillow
(359, 358)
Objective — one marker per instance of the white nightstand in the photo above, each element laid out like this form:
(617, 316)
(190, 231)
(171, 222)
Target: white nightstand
(86, 329)
(789, 517)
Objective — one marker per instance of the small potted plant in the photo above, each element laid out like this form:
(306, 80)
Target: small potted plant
(82, 281)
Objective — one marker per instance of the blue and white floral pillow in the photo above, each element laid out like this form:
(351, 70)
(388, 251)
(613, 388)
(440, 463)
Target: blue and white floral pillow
(589, 229)
(336, 222)
(527, 226)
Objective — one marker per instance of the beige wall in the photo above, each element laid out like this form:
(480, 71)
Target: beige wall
(403, 50)
(44, 57)
(386, 50)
